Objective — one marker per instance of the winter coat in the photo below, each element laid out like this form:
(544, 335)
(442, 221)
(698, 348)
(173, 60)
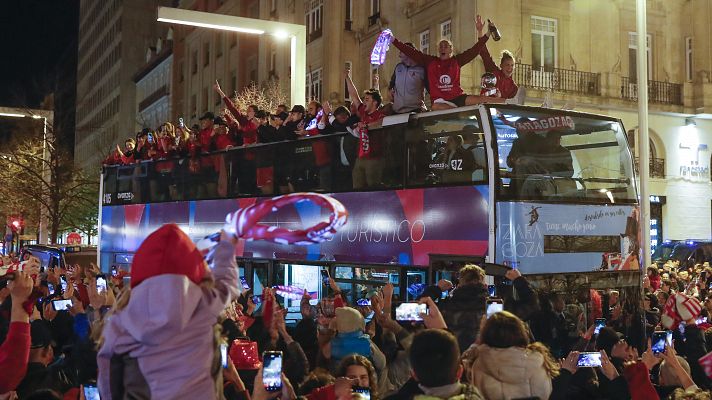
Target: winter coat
(163, 344)
(14, 353)
(463, 312)
(510, 373)
(464, 392)
(347, 343)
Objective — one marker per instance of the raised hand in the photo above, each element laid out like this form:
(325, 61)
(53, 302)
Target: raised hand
(21, 287)
(607, 366)
(217, 88)
(326, 107)
(433, 319)
(570, 363)
(479, 24)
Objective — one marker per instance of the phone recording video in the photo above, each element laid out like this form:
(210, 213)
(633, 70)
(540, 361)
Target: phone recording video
(363, 391)
(63, 283)
(492, 290)
(101, 284)
(61, 305)
(660, 340)
(50, 288)
(494, 306)
(114, 271)
(272, 370)
(325, 277)
(223, 354)
(363, 302)
(598, 324)
(589, 360)
(91, 392)
(410, 312)
(245, 285)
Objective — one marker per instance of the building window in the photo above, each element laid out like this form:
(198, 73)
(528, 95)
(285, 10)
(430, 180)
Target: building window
(314, 18)
(347, 66)
(206, 54)
(252, 69)
(193, 107)
(233, 39)
(348, 20)
(446, 30)
(633, 56)
(205, 94)
(373, 71)
(272, 63)
(544, 53)
(375, 12)
(218, 44)
(314, 85)
(688, 59)
(424, 41)
(194, 62)
(233, 82)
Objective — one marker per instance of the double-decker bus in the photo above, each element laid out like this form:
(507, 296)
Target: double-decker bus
(550, 192)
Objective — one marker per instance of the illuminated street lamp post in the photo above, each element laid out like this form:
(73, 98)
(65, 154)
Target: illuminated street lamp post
(296, 33)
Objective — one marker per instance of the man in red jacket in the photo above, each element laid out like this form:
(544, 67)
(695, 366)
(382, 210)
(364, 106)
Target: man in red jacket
(15, 350)
(444, 73)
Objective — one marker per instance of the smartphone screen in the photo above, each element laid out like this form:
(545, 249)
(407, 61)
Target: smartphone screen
(598, 324)
(363, 391)
(223, 354)
(660, 340)
(63, 282)
(410, 311)
(589, 360)
(363, 302)
(325, 277)
(244, 283)
(114, 271)
(257, 299)
(50, 288)
(494, 306)
(100, 284)
(272, 370)
(61, 305)
(91, 392)
(444, 294)
(492, 289)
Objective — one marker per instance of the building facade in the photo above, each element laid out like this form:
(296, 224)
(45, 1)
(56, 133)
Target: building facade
(153, 85)
(113, 36)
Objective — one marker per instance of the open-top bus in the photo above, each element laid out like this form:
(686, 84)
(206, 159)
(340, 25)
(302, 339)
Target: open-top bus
(550, 192)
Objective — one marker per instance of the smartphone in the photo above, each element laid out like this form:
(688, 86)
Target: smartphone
(660, 340)
(492, 289)
(494, 306)
(257, 299)
(410, 312)
(223, 354)
(272, 370)
(325, 277)
(114, 271)
(598, 324)
(444, 294)
(63, 282)
(589, 360)
(61, 305)
(50, 288)
(101, 284)
(149, 137)
(181, 123)
(126, 281)
(363, 302)
(363, 391)
(244, 283)
(91, 392)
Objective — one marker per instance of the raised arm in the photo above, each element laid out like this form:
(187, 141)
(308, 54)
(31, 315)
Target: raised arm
(353, 92)
(419, 57)
(228, 103)
(470, 54)
(490, 66)
(224, 270)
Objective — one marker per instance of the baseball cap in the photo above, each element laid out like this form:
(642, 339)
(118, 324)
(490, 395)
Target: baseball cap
(208, 115)
(298, 108)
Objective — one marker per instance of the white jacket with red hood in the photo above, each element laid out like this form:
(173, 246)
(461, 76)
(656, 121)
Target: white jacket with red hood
(162, 345)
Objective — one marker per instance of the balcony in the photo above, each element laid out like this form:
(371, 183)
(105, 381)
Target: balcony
(373, 19)
(656, 167)
(658, 92)
(558, 80)
(313, 35)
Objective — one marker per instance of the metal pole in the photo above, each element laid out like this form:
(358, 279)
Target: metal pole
(43, 230)
(644, 156)
(98, 232)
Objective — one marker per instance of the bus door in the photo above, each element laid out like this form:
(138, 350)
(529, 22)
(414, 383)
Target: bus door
(256, 274)
(416, 280)
(290, 280)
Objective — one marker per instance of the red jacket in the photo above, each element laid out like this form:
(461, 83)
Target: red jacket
(639, 384)
(443, 75)
(375, 141)
(224, 141)
(248, 128)
(320, 148)
(14, 356)
(506, 86)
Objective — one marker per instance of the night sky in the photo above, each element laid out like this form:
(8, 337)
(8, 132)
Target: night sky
(33, 36)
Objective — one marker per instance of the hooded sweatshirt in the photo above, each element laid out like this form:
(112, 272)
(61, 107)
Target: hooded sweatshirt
(510, 373)
(162, 344)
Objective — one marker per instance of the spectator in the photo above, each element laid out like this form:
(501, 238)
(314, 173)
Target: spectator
(406, 87)
(444, 73)
(507, 365)
(654, 277)
(15, 350)
(155, 327)
(368, 167)
(359, 368)
(315, 124)
(505, 82)
(39, 374)
(459, 163)
(464, 309)
(128, 156)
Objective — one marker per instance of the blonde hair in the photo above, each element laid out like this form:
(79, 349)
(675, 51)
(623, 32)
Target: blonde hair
(506, 54)
(97, 334)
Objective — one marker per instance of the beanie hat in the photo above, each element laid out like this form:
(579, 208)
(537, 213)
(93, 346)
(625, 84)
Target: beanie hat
(349, 320)
(607, 338)
(678, 308)
(168, 250)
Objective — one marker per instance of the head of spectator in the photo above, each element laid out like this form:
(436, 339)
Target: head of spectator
(261, 116)
(220, 126)
(141, 139)
(653, 271)
(445, 49)
(313, 108)
(667, 375)
(708, 306)
(433, 369)
(361, 369)
(666, 285)
(650, 302)
(454, 143)
(613, 297)
(404, 58)
(372, 100)
(662, 297)
(41, 351)
(341, 114)
(207, 121)
(279, 119)
(558, 304)
(129, 145)
(316, 379)
(252, 111)
(684, 276)
(506, 63)
(282, 108)
(614, 344)
(471, 274)
(297, 113)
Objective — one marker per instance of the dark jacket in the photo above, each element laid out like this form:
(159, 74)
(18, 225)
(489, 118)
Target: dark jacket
(522, 300)
(40, 377)
(463, 312)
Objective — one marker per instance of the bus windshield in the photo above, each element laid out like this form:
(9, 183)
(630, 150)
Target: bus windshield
(553, 155)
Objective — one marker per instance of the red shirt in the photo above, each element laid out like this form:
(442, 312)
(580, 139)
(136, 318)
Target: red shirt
(375, 141)
(14, 356)
(223, 141)
(506, 85)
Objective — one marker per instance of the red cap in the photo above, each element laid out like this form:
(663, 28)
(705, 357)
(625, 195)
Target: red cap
(168, 250)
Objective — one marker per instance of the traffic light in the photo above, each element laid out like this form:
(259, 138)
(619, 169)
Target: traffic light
(16, 224)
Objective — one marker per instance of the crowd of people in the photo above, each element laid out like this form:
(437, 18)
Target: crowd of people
(357, 159)
(180, 327)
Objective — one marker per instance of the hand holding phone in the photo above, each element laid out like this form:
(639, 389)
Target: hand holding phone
(660, 340)
(272, 371)
(61, 305)
(91, 392)
(589, 360)
(494, 306)
(410, 312)
(100, 284)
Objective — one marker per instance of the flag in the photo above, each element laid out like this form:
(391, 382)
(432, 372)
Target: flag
(706, 363)
(380, 49)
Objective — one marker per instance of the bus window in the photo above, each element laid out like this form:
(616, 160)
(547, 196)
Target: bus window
(554, 156)
(447, 150)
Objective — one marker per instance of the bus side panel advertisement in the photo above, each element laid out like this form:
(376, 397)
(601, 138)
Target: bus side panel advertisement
(392, 226)
(552, 238)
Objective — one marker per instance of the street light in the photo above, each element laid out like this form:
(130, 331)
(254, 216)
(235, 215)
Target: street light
(297, 33)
